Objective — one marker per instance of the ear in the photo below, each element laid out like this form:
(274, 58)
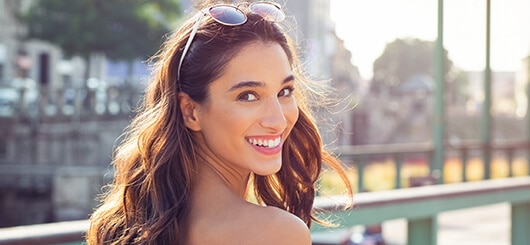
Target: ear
(188, 109)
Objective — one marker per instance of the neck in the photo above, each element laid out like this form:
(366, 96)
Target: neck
(236, 179)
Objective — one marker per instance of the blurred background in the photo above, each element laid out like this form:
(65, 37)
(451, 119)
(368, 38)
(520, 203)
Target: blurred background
(426, 94)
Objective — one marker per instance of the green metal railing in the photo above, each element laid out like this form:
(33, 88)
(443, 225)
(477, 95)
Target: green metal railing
(421, 206)
(370, 207)
(361, 156)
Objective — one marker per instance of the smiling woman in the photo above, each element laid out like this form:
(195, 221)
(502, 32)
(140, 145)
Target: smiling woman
(225, 116)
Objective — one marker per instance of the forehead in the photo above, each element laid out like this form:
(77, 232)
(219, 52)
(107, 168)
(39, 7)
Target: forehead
(258, 61)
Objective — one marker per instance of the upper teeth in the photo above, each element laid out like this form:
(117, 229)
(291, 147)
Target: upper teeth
(271, 143)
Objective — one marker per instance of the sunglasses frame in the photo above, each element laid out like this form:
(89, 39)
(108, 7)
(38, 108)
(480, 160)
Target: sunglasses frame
(279, 16)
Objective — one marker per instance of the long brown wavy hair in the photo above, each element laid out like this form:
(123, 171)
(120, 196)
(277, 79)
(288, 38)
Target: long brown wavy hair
(155, 165)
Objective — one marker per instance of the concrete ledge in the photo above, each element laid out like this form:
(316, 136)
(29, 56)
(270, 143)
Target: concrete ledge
(52, 233)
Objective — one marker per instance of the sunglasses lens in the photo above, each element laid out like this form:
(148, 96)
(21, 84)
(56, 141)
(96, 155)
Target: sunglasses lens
(228, 15)
(268, 11)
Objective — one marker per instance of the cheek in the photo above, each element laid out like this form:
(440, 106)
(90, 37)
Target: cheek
(291, 114)
(228, 118)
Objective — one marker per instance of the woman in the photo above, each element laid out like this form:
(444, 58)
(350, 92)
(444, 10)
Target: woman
(221, 124)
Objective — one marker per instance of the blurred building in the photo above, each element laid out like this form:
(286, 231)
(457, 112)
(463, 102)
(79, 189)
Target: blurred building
(522, 83)
(503, 91)
(327, 60)
(31, 59)
(396, 114)
(57, 130)
(316, 34)
(346, 82)
(9, 31)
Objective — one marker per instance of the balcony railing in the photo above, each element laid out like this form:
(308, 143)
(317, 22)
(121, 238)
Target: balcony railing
(376, 207)
(420, 206)
(67, 104)
(362, 156)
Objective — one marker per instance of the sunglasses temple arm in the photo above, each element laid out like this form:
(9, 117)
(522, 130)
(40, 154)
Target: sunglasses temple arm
(188, 44)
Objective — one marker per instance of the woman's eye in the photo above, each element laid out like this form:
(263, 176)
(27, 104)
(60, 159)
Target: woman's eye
(247, 96)
(286, 92)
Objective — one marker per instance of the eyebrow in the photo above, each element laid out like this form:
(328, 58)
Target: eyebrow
(244, 84)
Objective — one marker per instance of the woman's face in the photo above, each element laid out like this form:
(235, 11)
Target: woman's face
(250, 110)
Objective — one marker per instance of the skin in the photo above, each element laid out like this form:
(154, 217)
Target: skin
(252, 100)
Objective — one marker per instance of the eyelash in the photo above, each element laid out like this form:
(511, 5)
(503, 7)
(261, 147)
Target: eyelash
(241, 97)
(290, 89)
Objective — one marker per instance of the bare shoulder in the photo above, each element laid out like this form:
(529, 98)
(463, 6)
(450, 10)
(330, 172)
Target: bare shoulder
(280, 227)
(246, 223)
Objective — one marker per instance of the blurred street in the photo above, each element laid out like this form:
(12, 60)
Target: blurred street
(487, 225)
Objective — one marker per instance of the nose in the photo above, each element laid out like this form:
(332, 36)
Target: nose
(274, 116)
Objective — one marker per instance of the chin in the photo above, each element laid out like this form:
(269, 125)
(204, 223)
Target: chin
(269, 171)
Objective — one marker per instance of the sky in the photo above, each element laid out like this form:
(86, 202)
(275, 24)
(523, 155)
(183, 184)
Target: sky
(366, 26)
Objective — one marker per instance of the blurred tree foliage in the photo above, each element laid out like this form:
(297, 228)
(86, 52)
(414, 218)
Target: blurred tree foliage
(404, 58)
(121, 29)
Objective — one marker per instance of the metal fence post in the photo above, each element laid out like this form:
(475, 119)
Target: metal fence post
(520, 223)
(486, 105)
(398, 161)
(463, 157)
(360, 173)
(422, 231)
(438, 125)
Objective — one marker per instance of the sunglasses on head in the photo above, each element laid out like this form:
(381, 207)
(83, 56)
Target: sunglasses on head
(230, 15)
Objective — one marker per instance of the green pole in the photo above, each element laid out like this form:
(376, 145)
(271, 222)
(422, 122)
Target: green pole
(528, 113)
(422, 231)
(438, 122)
(520, 216)
(486, 107)
(360, 173)
(399, 167)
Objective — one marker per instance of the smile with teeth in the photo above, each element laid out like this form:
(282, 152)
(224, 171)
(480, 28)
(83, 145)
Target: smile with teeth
(270, 143)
